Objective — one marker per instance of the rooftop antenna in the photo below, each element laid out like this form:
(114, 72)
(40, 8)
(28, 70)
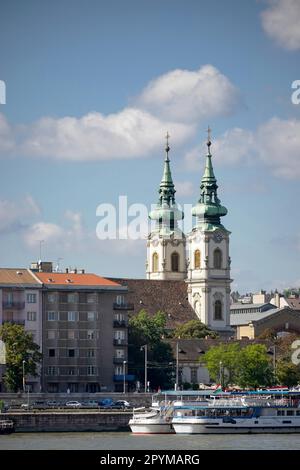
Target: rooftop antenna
(41, 242)
(57, 270)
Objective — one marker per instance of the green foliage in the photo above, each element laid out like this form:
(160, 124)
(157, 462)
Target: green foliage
(150, 330)
(193, 329)
(287, 373)
(247, 367)
(19, 347)
(254, 368)
(222, 362)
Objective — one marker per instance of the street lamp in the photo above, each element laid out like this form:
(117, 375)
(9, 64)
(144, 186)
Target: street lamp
(146, 363)
(177, 365)
(220, 373)
(23, 362)
(124, 376)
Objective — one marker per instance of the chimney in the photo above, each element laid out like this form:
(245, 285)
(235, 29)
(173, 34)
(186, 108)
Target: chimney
(67, 270)
(82, 271)
(75, 271)
(277, 300)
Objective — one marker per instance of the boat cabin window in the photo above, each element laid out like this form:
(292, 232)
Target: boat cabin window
(290, 413)
(298, 412)
(280, 412)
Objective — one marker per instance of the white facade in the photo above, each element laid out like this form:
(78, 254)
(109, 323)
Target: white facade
(209, 277)
(166, 257)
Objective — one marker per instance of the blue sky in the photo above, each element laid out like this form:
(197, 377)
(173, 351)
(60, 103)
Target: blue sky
(91, 89)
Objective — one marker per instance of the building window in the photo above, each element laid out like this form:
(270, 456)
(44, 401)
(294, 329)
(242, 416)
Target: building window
(71, 298)
(51, 352)
(31, 316)
(52, 316)
(91, 353)
(71, 352)
(91, 370)
(71, 334)
(51, 370)
(119, 335)
(71, 371)
(120, 300)
(51, 298)
(218, 310)
(120, 353)
(155, 262)
(217, 258)
(51, 334)
(90, 334)
(197, 259)
(31, 298)
(175, 262)
(119, 370)
(91, 298)
(72, 316)
(91, 316)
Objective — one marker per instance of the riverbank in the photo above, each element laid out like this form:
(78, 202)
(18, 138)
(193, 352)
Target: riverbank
(69, 421)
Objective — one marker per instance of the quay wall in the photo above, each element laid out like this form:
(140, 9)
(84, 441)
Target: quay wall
(69, 421)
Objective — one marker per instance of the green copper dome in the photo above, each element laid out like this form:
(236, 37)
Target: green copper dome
(208, 210)
(166, 212)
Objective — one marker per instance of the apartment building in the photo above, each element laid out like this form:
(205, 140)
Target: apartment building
(85, 336)
(21, 303)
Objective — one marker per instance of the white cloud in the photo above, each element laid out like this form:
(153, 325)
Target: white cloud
(173, 102)
(275, 144)
(233, 147)
(50, 233)
(184, 188)
(278, 146)
(281, 21)
(15, 215)
(189, 96)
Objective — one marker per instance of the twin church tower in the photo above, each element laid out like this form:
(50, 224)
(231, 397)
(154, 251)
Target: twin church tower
(201, 257)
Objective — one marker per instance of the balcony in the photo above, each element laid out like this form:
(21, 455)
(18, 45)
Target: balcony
(120, 342)
(120, 324)
(123, 306)
(13, 305)
(119, 360)
(14, 322)
(120, 378)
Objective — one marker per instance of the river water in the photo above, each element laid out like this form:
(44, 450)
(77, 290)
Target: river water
(128, 441)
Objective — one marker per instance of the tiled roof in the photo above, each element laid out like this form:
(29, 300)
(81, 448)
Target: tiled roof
(17, 277)
(74, 279)
(245, 318)
(168, 296)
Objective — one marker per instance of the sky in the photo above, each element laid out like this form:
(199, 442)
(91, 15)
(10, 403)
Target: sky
(92, 87)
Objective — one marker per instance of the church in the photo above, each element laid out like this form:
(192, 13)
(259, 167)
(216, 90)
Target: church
(187, 274)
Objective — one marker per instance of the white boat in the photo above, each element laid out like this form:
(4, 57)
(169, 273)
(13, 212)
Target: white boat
(155, 421)
(251, 415)
(158, 420)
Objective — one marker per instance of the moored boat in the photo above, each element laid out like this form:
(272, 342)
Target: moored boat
(6, 426)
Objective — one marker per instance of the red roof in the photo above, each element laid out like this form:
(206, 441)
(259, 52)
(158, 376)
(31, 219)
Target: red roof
(74, 279)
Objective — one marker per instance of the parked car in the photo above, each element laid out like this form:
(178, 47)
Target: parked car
(91, 404)
(106, 403)
(73, 404)
(39, 405)
(53, 404)
(25, 406)
(121, 404)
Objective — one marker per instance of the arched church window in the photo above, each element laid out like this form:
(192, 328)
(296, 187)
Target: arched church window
(218, 310)
(155, 262)
(175, 262)
(217, 258)
(197, 259)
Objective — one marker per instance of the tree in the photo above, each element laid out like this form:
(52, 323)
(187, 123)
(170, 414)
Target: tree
(150, 330)
(19, 347)
(193, 329)
(287, 373)
(222, 362)
(254, 368)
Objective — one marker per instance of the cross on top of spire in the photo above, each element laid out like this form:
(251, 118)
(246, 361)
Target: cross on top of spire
(208, 143)
(167, 148)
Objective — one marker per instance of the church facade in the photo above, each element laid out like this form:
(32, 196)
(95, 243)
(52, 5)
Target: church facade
(200, 258)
